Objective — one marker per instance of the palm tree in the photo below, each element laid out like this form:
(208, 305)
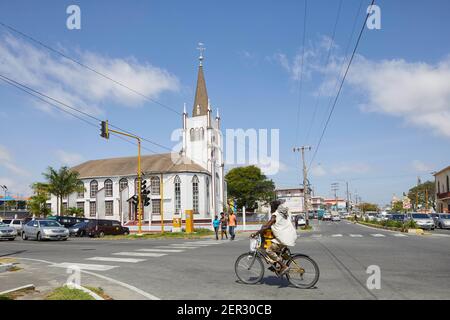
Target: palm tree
(62, 183)
(37, 203)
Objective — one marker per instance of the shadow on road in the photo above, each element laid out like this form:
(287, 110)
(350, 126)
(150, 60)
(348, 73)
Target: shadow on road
(13, 253)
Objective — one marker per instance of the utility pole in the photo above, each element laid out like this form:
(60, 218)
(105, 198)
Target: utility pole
(5, 188)
(426, 200)
(348, 200)
(306, 191)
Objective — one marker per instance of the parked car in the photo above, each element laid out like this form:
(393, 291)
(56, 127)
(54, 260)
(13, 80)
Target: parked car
(435, 217)
(423, 220)
(299, 220)
(397, 217)
(443, 221)
(16, 224)
(79, 229)
(335, 217)
(67, 221)
(100, 228)
(44, 229)
(326, 216)
(7, 232)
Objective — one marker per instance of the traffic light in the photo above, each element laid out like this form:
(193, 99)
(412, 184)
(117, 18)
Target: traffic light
(144, 194)
(104, 131)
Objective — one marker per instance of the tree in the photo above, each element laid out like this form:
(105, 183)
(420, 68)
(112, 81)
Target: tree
(420, 191)
(366, 206)
(248, 185)
(77, 212)
(397, 206)
(62, 183)
(37, 203)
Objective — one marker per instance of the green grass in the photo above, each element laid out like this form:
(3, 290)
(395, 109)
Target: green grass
(65, 293)
(5, 297)
(306, 228)
(99, 291)
(198, 233)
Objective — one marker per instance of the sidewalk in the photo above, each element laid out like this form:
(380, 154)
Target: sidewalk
(46, 278)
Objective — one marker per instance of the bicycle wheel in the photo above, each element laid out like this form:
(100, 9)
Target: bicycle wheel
(304, 271)
(249, 268)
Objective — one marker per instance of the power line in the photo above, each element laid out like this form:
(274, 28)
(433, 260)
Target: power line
(340, 87)
(301, 73)
(87, 67)
(326, 65)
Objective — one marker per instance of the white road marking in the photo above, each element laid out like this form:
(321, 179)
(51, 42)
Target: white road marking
(176, 247)
(83, 266)
(160, 250)
(399, 235)
(180, 245)
(356, 235)
(336, 235)
(377, 235)
(140, 254)
(316, 235)
(128, 260)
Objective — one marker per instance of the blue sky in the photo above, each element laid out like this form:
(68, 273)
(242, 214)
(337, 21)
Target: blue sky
(391, 123)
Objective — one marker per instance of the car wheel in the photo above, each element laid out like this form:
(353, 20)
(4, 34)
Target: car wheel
(126, 233)
(81, 234)
(11, 239)
(39, 237)
(65, 239)
(101, 234)
(24, 236)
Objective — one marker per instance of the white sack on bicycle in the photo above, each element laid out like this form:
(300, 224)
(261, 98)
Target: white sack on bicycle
(282, 229)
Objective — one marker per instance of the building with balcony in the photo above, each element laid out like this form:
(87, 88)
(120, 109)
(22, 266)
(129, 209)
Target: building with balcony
(442, 180)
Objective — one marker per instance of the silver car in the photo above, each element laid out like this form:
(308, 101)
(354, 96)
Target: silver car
(7, 232)
(44, 229)
(423, 220)
(443, 221)
(16, 224)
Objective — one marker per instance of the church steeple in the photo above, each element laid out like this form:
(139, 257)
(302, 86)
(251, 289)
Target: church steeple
(201, 95)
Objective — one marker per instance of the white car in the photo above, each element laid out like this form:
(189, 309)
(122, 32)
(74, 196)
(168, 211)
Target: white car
(7, 232)
(335, 218)
(326, 216)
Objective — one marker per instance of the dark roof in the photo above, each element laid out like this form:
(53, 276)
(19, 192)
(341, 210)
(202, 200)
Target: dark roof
(201, 96)
(127, 166)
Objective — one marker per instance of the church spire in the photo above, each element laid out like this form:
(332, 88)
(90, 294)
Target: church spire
(201, 95)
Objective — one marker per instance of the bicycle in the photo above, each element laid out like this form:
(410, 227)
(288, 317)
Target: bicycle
(249, 267)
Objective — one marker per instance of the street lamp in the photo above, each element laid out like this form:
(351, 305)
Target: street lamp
(5, 188)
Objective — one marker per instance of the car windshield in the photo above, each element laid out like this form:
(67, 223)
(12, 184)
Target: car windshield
(47, 223)
(79, 224)
(445, 216)
(2, 224)
(420, 216)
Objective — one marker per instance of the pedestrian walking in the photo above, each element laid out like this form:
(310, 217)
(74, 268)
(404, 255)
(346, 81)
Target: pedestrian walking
(223, 226)
(216, 225)
(232, 225)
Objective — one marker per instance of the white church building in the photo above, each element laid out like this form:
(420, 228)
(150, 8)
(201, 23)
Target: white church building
(191, 179)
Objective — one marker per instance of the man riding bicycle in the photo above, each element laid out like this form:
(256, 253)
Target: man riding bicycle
(283, 231)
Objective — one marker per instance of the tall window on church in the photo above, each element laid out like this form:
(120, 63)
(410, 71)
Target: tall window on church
(154, 181)
(195, 194)
(217, 185)
(80, 194)
(123, 183)
(207, 194)
(177, 185)
(108, 188)
(94, 188)
(192, 134)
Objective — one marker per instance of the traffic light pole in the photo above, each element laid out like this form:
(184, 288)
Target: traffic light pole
(105, 134)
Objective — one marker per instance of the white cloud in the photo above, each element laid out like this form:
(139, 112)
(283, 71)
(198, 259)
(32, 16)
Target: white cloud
(68, 158)
(346, 168)
(420, 166)
(7, 161)
(318, 171)
(77, 86)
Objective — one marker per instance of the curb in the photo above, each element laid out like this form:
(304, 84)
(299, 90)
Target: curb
(4, 267)
(25, 287)
(86, 290)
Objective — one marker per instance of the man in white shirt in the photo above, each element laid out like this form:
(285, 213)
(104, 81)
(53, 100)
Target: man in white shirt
(284, 233)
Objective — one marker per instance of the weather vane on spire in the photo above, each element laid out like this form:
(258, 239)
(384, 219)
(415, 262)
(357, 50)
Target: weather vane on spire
(201, 48)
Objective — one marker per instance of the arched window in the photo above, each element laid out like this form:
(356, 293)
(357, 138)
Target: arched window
(108, 188)
(217, 185)
(80, 194)
(195, 194)
(136, 186)
(123, 183)
(154, 182)
(177, 185)
(94, 188)
(207, 194)
(192, 134)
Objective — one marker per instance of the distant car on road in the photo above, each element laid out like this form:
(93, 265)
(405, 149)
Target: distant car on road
(15, 223)
(443, 221)
(44, 229)
(100, 228)
(335, 217)
(397, 217)
(79, 229)
(326, 216)
(7, 232)
(301, 220)
(423, 220)
(67, 221)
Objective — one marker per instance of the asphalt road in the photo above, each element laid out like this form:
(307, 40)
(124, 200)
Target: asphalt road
(412, 266)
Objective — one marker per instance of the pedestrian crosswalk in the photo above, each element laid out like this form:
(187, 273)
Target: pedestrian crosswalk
(352, 235)
(139, 255)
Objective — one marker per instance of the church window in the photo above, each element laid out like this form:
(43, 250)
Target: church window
(80, 194)
(156, 206)
(92, 209)
(94, 188)
(154, 181)
(108, 188)
(195, 194)
(207, 194)
(109, 211)
(123, 183)
(177, 184)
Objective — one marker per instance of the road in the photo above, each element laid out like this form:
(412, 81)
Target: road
(412, 266)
